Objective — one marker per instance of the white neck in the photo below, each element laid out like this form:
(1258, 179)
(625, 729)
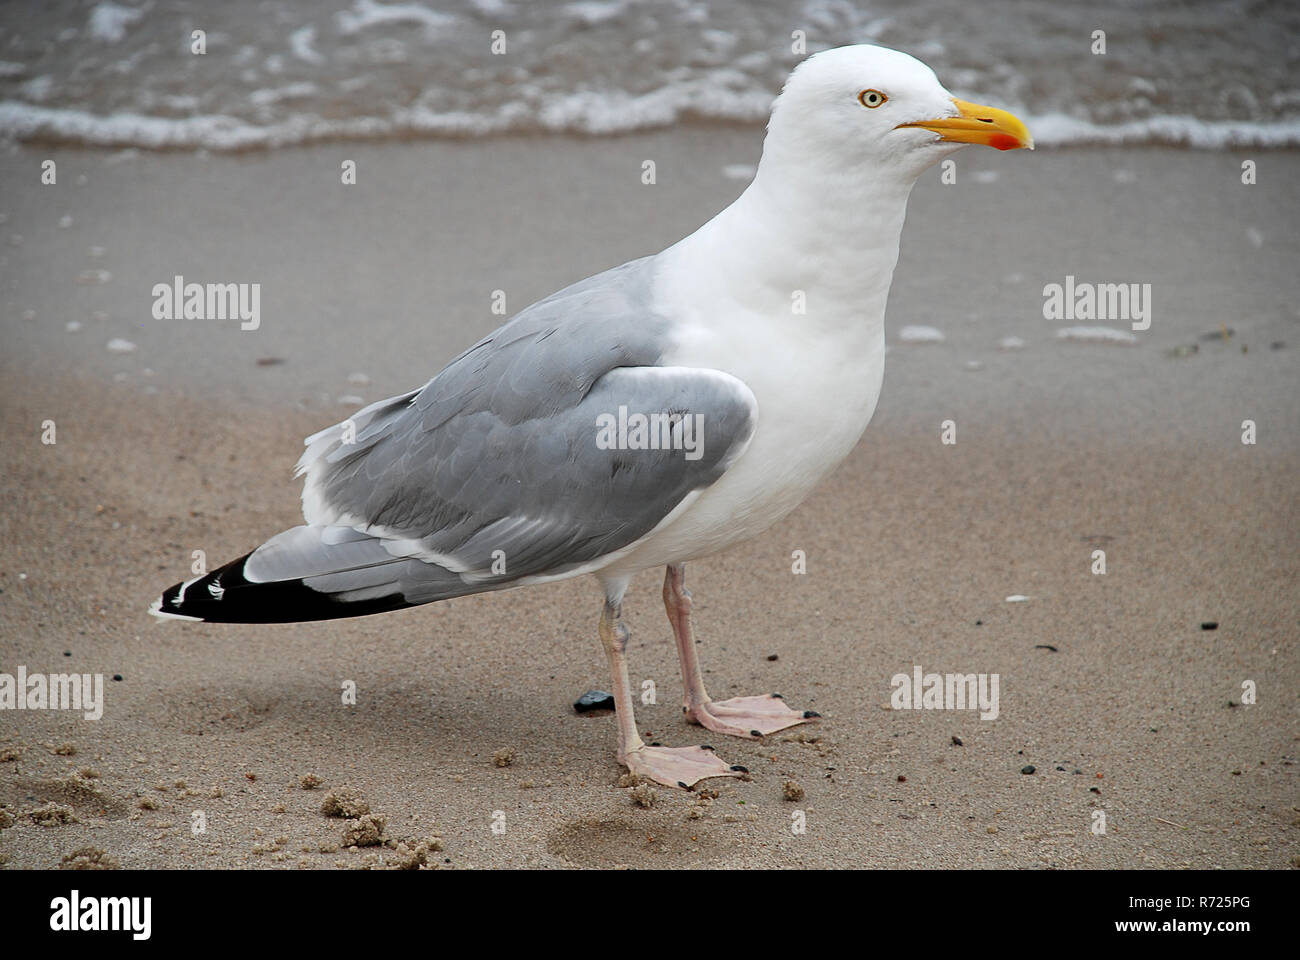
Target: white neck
(789, 233)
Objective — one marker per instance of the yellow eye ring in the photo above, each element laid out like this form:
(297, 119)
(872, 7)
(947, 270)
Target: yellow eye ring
(871, 98)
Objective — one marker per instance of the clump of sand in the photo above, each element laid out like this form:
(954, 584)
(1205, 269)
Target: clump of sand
(275, 846)
(87, 858)
(366, 831)
(410, 854)
(504, 757)
(344, 805)
(643, 795)
(309, 781)
(792, 791)
(52, 815)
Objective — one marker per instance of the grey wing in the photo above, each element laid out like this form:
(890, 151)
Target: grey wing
(502, 468)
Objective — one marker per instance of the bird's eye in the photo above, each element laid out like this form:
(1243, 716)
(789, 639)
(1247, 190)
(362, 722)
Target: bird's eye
(871, 98)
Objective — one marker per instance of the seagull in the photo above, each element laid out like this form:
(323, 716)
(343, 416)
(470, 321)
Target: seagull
(654, 414)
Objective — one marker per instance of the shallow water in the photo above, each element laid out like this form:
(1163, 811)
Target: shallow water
(124, 74)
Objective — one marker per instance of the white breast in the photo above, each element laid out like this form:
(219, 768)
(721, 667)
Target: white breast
(787, 293)
(816, 393)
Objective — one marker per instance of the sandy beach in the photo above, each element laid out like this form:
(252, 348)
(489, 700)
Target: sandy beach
(1112, 690)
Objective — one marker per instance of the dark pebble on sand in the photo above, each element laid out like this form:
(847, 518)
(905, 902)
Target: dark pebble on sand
(1045, 646)
(956, 741)
(1210, 625)
(117, 676)
(772, 657)
(902, 779)
(594, 700)
(1027, 768)
(1062, 769)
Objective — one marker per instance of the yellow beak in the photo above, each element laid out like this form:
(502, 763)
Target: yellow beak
(976, 124)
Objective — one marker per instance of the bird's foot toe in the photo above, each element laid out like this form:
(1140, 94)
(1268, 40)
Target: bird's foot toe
(749, 717)
(679, 766)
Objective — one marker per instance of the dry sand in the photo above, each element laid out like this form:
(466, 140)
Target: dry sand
(912, 546)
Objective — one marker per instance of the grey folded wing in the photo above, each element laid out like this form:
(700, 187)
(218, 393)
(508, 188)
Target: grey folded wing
(501, 468)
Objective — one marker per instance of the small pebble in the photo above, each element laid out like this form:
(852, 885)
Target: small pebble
(1027, 768)
(594, 700)
(1210, 625)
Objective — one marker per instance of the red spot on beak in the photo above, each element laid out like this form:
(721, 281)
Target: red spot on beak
(1003, 141)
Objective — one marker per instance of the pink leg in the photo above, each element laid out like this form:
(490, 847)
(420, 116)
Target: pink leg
(750, 717)
(671, 766)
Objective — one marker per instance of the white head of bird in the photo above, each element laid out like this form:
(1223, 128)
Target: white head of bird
(870, 113)
(849, 135)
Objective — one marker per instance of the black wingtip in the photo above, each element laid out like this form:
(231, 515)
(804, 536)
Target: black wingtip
(227, 596)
